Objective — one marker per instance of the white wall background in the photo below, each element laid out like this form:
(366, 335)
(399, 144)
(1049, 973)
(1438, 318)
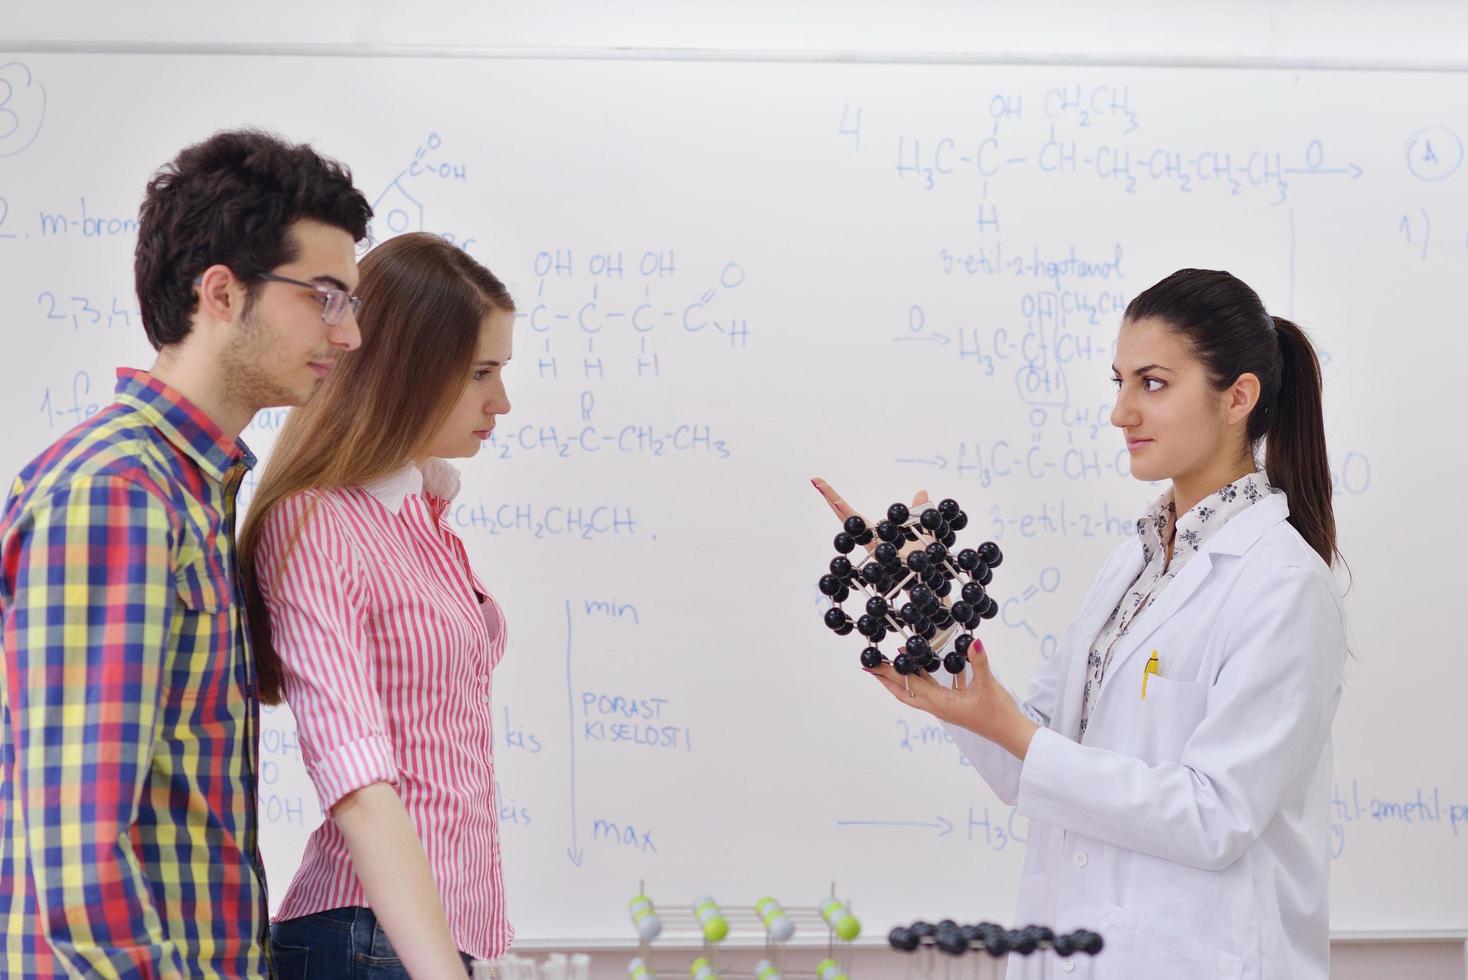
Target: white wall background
(1420, 33)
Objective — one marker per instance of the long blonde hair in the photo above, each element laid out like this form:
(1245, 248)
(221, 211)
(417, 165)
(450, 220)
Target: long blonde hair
(423, 301)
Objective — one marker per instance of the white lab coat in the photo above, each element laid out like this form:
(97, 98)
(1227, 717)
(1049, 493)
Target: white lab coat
(1191, 829)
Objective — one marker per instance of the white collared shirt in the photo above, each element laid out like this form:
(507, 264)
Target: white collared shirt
(438, 477)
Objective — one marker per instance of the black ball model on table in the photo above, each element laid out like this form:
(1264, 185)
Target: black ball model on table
(994, 940)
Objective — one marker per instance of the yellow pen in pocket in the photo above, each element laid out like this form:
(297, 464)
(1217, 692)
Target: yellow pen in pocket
(1153, 666)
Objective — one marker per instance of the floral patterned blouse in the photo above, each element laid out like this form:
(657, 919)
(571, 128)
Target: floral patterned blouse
(1188, 533)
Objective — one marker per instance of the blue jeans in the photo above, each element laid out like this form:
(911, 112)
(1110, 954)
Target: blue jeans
(338, 944)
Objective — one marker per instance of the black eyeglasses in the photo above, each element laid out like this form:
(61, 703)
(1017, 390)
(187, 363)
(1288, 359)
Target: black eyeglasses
(334, 302)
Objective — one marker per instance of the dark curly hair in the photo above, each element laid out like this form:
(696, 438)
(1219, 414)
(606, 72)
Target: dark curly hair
(230, 200)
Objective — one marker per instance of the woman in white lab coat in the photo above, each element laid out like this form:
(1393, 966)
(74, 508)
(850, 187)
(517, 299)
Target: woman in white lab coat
(1174, 755)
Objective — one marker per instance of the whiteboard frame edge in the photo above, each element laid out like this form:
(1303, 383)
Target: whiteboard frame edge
(1073, 59)
(491, 53)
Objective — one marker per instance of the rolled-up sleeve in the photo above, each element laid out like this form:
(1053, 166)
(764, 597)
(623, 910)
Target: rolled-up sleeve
(311, 581)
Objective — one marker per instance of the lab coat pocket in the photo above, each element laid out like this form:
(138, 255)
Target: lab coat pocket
(1139, 948)
(1166, 718)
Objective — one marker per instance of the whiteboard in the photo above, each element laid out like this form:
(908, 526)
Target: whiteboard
(733, 277)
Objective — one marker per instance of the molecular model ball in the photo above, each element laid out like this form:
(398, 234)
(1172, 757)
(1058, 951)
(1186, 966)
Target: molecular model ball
(912, 586)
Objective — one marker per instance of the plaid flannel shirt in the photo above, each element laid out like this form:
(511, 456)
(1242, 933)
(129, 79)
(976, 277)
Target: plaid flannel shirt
(128, 750)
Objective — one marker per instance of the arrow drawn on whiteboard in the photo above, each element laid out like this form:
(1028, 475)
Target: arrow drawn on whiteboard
(1353, 169)
(944, 827)
(939, 461)
(942, 340)
(574, 852)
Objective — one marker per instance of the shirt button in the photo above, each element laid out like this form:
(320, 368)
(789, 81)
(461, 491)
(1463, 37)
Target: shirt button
(1069, 966)
(1081, 859)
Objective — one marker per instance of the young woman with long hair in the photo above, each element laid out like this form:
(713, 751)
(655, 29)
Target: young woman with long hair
(368, 620)
(1174, 755)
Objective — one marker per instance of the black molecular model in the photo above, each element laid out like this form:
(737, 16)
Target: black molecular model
(956, 940)
(915, 587)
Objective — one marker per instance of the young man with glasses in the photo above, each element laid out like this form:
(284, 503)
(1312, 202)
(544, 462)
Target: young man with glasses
(128, 826)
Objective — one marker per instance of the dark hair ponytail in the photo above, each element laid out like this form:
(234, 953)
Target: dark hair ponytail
(1225, 325)
(1294, 445)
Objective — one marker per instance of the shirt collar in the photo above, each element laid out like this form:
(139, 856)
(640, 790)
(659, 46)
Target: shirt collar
(182, 422)
(1194, 528)
(437, 477)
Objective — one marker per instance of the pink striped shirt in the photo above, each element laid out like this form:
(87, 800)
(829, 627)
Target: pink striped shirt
(387, 640)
